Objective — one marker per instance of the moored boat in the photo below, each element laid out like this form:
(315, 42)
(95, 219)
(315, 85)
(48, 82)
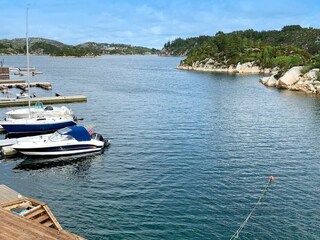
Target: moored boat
(37, 125)
(67, 141)
(26, 69)
(39, 111)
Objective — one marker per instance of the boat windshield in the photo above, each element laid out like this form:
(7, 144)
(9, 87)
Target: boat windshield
(57, 137)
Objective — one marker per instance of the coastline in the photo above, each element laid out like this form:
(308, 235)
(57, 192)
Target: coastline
(294, 79)
(210, 65)
(89, 56)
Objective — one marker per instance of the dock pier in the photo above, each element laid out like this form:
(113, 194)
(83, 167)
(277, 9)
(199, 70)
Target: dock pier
(23, 86)
(7, 81)
(44, 100)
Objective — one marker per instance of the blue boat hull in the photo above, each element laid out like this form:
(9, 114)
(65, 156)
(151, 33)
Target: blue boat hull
(34, 128)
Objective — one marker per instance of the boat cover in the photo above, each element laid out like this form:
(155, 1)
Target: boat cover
(80, 133)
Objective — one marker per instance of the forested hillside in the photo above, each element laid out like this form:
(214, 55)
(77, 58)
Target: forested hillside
(43, 46)
(291, 46)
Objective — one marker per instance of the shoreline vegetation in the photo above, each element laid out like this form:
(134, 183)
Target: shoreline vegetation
(42, 46)
(291, 56)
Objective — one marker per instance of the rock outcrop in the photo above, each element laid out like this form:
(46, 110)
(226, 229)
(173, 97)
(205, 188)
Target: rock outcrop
(211, 65)
(294, 80)
(290, 77)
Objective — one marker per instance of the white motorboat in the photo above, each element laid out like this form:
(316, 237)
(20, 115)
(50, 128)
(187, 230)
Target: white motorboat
(39, 111)
(67, 141)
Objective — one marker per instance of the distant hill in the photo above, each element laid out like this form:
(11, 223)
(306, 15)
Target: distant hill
(115, 48)
(43, 46)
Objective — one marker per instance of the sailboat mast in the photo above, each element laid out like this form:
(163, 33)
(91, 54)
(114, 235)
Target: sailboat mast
(27, 49)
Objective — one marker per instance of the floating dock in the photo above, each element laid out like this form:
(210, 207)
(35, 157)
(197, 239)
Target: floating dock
(23, 86)
(8, 81)
(24, 218)
(44, 100)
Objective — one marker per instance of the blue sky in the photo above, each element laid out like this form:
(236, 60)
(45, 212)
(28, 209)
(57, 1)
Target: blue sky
(149, 23)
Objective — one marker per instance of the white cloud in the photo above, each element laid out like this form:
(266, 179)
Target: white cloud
(148, 13)
(155, 30)
(150, 23)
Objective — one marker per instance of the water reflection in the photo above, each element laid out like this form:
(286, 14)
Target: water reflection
(78, 163)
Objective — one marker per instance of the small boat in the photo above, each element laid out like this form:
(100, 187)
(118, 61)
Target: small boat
(22, 95)
(67, 141)
(37, 125)
(25, 69)
(39, 111)
(13, 69)
(32, 73)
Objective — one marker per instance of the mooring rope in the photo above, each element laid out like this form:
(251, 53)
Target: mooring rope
(236, 234)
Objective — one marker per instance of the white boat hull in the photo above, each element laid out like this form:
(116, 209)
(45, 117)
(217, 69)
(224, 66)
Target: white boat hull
(38, 112)
(60, 153)
(67, 141)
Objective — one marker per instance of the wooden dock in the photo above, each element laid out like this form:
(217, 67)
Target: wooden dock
(8, 194)
(8, 81)
(44, 100)
(4, 73)
(24, 218)
(24, 86)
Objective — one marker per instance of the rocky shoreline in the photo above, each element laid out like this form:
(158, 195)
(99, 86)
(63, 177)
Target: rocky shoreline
(210, 65)
(293, 79)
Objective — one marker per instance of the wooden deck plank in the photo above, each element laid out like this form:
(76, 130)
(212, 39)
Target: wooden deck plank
(18, 201)
(8, 194)
(18, 227)
(48, 223)
(42, 218)
(34, 212)
(15, 227)
(52, 217)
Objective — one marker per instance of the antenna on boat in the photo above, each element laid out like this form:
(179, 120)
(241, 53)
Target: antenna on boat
(27, 49)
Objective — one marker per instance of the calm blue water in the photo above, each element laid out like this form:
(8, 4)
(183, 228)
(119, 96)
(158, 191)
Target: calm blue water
(190, 153)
